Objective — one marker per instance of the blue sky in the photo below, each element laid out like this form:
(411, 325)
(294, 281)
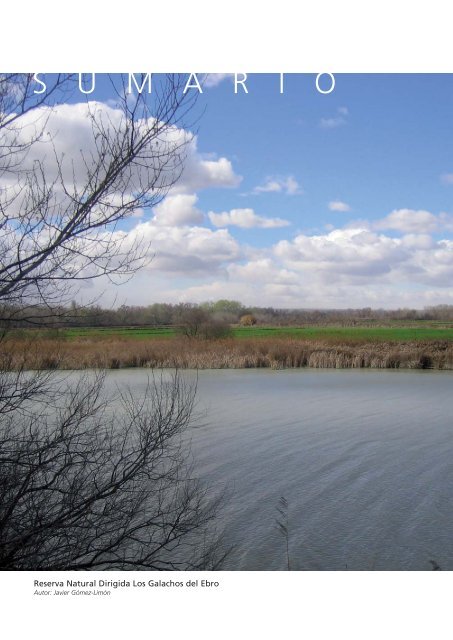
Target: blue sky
(306, 199)
(387, 153)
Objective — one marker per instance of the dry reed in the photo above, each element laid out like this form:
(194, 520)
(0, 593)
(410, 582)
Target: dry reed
(230, 353)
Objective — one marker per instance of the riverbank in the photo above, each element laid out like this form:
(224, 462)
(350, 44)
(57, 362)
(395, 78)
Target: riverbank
(229, 353)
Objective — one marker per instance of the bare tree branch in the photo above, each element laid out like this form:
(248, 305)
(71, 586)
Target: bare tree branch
(87, 481)
(87, 488)
(60, 215)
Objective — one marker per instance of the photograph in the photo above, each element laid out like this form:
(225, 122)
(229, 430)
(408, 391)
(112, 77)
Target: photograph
(226, 324)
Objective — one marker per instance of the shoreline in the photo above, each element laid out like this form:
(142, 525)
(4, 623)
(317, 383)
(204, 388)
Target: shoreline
(229, 353)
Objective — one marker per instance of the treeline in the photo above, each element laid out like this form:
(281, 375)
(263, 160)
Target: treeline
(229, 312)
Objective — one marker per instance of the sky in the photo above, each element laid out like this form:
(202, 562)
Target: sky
(303, 199)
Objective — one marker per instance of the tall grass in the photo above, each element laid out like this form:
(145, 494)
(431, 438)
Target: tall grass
(230, 353)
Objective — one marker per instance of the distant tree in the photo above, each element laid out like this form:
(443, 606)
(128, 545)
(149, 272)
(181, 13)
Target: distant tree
(195, 322)
(229, 306)
(190, 319)
(215, 328)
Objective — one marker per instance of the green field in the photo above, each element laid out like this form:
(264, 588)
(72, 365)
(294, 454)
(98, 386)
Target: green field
(123, 332)
(360, 333)
(390, 334)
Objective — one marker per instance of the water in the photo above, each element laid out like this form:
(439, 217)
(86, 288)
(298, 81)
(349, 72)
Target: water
(364, 459)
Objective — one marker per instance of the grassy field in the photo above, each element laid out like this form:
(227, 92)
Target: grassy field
(387, 334)
(138, 333)
(330, 333)
(418, 345)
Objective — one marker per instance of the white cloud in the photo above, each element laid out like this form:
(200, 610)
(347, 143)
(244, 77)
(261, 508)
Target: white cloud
(178, 210)
(417, 241)
(214, 79)
(359, 257)
(200, 173)
(354, 252)
(414, 221)
(335, 121)
(331, 123)
(382, 273)
(287, 185)
(245, 218)
(262, 270)
(338, 205)
(187, 250)
(69, 147)
(356, 266)
(341, 268)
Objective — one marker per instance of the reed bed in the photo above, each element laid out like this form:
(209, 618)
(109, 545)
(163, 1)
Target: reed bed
(230, 353)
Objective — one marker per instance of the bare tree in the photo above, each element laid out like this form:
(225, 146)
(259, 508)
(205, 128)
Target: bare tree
(87, 488)
(82, 487)
(59, 211)
(195, 322)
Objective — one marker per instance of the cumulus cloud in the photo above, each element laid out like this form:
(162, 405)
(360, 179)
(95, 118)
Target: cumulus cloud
(69, 144)
(178, 210)
(288, 185)
(418, 241)
(245, 218)
(414, 221)
(351, 257)
(362, 264)
(357, 252)
(349, 267)
(322, 296)
(187, 250)
(338, 205)
(355, 266)
(340, 268)
(262, 269)
(203, 173)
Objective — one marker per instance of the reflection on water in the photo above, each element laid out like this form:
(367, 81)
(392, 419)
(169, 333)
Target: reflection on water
(364, 459)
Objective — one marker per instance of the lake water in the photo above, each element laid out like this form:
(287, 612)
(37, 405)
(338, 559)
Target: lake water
(364, 459)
